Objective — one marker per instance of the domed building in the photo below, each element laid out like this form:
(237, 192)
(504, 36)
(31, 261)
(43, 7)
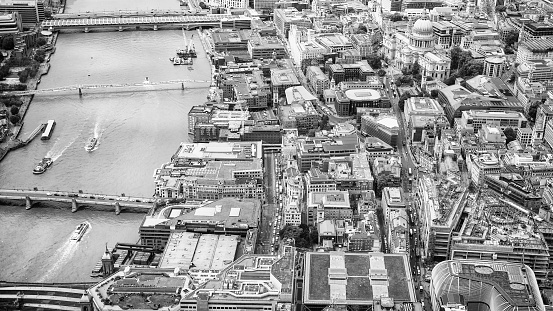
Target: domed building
(416, 44)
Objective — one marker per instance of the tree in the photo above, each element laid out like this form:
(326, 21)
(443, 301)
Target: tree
(455, 54)
(511, 38)
(434, 93)
(362, 29)
(402, 99)
(471, 69)
(396, 18)
(510, 134)
(203, 5)
(41, 41)
(23, 76)
(381, 72)
(416, 69)
(311, 133)
(533, 110)
(324, 124)
(40, 55)
(14, 119)
(14, 110)
(8, 43)
(374, 61)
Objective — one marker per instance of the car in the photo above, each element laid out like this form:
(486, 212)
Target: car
(73, 195)
(48, 193)
(111, 199)
(92, 197)
(101, 197)
(56, 194)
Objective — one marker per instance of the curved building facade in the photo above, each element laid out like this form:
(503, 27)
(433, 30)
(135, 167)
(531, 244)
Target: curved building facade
(484, 285)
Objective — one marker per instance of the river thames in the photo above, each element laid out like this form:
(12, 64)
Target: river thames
(137, 131)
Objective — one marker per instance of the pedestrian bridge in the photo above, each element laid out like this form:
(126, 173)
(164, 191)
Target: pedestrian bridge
(47, 296)
(131, 87)
(77, 200)
(122, 22)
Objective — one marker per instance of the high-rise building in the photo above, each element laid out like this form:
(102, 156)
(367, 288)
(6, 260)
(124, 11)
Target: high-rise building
(31, 11)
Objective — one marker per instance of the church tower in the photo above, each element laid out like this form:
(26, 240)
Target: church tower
(107, 263)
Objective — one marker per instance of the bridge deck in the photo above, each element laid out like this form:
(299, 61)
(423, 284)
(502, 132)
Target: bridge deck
(138, 20)
(43, 288)
(42, 297)
(51, 307)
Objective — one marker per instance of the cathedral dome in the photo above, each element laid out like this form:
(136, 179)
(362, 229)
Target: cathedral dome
(423, 27)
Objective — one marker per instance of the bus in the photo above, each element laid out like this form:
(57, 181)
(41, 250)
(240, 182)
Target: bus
(410, 172)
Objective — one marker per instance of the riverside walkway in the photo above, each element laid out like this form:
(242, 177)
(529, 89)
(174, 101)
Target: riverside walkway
(77, 200)
(125, 21)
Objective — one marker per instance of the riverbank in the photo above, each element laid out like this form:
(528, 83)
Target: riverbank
(13, 142)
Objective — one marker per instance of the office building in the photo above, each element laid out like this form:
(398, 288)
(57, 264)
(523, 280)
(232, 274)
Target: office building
(311, 150)
(281, 79)
(299, 115)
(31, 11)
(265, 47)
(385, 279)
(10, 23)
(227, 41)
(494, 66)
(328, 205)
(284, 18)
(490, 284)
(387, 172)
(318, 80)
(535, 49)
(473, 120)
(383, 126)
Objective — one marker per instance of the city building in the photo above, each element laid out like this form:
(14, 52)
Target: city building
(387, 172)
(314, 149)
(364, 43)
(376, 147)
(348, 101)
(535, 49)
(447, 34)
(328, 205)
(334, 42)
(472, 283)
(31, 11)
(455, 99)
(265, 47)
(299, 94)
(299, 115)
(284, 18)
(440, 203)
(303, 46)
(230, 216)
(483, 164)
(351, 173)
(234, 4)
(318, 181)
(417, 45)
(10, 23)
(524, 136)
(292, 212)
(227, 41)
(385, 279)
(514, 187)
(281, 79)
(496, 229)
(318, 80)
(543, 116)
(494, 66)
(473, 120)
(383, 126)
(234, 288)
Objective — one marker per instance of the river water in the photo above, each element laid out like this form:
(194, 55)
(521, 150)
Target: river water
(137, 131)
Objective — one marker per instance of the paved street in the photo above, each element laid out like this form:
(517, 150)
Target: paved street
(268, 217)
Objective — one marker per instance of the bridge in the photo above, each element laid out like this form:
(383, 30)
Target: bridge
(122, 22)
(77, 200)
(134, 87)
(47, 296)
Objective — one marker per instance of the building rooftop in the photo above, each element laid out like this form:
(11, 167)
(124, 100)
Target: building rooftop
(511, 286)
(363, 94)
(214, 151)
(298, 93)
(227, 212)
(355, 278)
(284, 77)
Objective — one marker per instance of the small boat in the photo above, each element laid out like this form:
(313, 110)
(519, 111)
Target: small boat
(79, 231)
(177, 61)
(42, 166)
(91, 144)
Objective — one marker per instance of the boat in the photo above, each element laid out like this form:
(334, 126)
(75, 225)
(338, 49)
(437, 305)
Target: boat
(177, 61)
(79, 231)
(42, 166)
(91, 144)
(48, 130)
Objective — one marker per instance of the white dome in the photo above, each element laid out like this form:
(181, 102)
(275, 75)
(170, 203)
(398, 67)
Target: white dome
(423, 26)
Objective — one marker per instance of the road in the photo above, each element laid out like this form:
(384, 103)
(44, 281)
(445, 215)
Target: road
(268, 214)
(409, 186)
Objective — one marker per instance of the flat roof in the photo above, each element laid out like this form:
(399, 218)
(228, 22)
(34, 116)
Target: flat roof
(362, 94)
(215, 252)
(179, 250)
(219, 212)
(355, 278)
(220, 150)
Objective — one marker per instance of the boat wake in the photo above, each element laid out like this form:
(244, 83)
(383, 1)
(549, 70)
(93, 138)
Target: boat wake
(97, 134)
(59, 148)
(61, 257)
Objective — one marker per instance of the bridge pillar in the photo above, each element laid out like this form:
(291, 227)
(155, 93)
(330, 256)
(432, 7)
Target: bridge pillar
(86, 30)
(155, 27)
(120, 28)
(117, 208)
(74, 205)
(80, 92)
(28, 203)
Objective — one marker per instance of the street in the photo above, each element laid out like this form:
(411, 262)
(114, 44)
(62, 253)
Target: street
(268, 232)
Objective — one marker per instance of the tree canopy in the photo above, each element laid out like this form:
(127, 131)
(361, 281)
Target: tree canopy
(396, 18)
(375, 61)
(510, 134)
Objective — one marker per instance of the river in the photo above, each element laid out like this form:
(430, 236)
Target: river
(137, 131)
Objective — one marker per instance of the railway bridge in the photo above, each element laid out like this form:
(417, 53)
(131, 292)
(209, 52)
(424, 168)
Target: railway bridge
(29, 198)
(154, 22)
(45, 296)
